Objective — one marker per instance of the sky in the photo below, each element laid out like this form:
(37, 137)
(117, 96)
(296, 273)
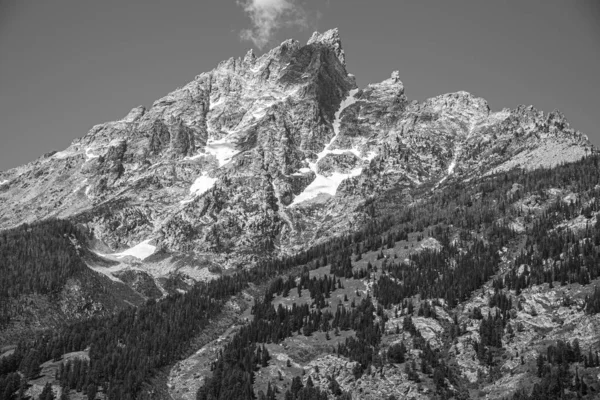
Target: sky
(66, 65)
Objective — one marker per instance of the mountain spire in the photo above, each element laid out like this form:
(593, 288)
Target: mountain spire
(330, 38)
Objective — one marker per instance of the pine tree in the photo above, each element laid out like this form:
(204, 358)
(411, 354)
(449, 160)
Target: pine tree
(47, 392)
(296, 385)
(540, 365)
(309, 383)
(91, 391)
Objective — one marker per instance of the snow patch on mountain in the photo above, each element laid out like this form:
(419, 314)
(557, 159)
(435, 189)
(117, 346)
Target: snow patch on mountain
(216, 104)
(452, 165)
(324, 184)
(142, 251)
(202, 184)
(62, 154)
(89, 155)
(329, 184)
(348, 101)
(223, 149)
(194, 157)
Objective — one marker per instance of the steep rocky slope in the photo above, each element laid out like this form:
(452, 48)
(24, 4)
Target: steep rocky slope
(466, 333)
(269, 155)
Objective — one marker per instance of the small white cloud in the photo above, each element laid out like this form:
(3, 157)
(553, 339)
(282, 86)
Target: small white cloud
(268, 16)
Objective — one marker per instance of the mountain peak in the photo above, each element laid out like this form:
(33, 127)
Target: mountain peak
(135, 114)
(395, 76)
(330, 38)
(293, 114)
(394, 79)
(250, 56)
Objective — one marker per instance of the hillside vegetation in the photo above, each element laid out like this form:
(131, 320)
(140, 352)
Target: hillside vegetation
(421, 270)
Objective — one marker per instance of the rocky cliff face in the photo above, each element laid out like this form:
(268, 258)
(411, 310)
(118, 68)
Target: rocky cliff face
(267, 155)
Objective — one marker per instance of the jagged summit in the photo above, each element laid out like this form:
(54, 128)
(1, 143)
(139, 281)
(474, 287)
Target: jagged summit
(330, 38)
(265, 155)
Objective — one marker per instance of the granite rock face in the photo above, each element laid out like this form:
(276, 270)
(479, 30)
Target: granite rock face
(263, 156)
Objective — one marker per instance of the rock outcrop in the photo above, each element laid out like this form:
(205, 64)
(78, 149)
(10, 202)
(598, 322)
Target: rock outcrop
(263, 156)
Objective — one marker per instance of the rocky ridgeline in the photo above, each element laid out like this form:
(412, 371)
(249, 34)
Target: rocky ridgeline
(263, 156)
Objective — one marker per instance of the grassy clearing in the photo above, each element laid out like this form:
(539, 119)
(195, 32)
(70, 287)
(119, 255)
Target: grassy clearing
(350, 289)
(299, 350)
(48, 375)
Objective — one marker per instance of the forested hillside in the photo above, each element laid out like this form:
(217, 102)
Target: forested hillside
(45, 280)
(39, 258)
(410, 295)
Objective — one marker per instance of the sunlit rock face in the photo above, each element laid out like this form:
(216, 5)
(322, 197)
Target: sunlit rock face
(266, 155)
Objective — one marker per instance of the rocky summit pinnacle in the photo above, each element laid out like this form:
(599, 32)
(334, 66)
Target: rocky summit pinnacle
(265, 156)
(330, 38)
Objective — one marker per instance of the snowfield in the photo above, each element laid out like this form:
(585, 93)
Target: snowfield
(141, 251)
(89, 155)
(194, 157)
(323, 184)
(223, 149)
(202, 184)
